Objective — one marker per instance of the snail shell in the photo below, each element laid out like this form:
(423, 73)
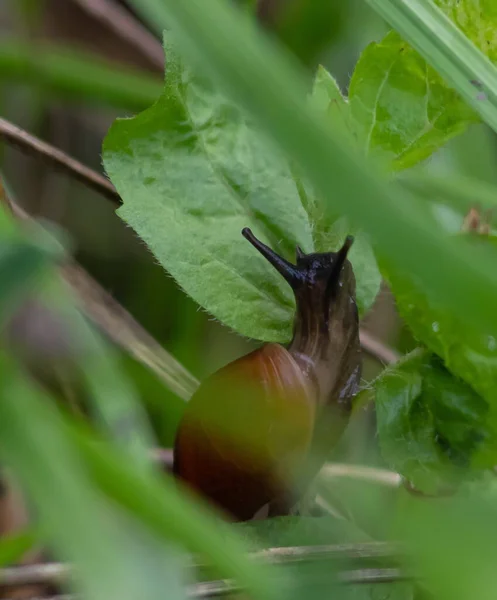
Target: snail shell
(245, 429)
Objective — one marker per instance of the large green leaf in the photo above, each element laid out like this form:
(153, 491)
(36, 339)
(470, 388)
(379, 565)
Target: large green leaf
(404, 109)
(430, 423)
(192, 173)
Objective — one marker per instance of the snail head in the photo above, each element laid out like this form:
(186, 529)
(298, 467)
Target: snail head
(315, 270)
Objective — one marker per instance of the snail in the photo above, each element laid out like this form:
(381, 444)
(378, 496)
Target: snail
(254, 425)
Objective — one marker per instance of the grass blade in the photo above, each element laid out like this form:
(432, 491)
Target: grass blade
(77, 76)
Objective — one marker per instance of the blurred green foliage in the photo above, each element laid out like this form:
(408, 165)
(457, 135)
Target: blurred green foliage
(205, 154)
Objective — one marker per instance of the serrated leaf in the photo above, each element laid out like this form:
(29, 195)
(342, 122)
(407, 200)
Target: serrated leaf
(403, 108)
(192, 173)
(430, 424)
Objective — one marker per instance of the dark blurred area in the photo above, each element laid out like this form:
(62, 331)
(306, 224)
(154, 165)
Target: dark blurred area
(104, 245)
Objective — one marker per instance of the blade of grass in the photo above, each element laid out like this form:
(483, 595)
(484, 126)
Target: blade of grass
(264, 80)
(174, 515)
(116, 323)
(77, 76)
(74, 518)
(458, 192)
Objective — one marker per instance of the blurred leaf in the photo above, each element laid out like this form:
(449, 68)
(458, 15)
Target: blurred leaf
(77, 76)
(458, 192)
(302, 531)
(430, 424)
(193, 224)
(108, 550)
(330, 232)
(14, 546)
(361, 255)
(404, 109)
(452, 543)
(318, 579)
(111, 394)
(328, 99)
(176, 516)
(25, 258)
(306, 27)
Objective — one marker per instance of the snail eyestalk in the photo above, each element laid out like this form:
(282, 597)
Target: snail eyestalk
(338, 262)
(284, 268)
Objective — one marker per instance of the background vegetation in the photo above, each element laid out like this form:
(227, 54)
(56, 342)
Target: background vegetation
(400, 164)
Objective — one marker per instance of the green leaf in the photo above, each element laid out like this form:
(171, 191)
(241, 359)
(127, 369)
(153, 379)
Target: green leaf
(466, 352)
(458, 192)
(462, 61)
(430, 424)
(404, 109)
(173, 514)
(327, 98)
(192, 173)
(14, 546)
(25, 261)
(281, 532)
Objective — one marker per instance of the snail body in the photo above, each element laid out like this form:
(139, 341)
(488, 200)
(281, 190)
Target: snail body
(251, 427)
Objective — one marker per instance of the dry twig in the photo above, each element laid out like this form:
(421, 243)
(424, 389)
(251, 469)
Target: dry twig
(377, 349)
(29, 143)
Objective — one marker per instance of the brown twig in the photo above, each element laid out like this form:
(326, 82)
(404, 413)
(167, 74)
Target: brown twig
(123, 330)
(356, 552)
(29, 143)
(122, 23)
(377, 349)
